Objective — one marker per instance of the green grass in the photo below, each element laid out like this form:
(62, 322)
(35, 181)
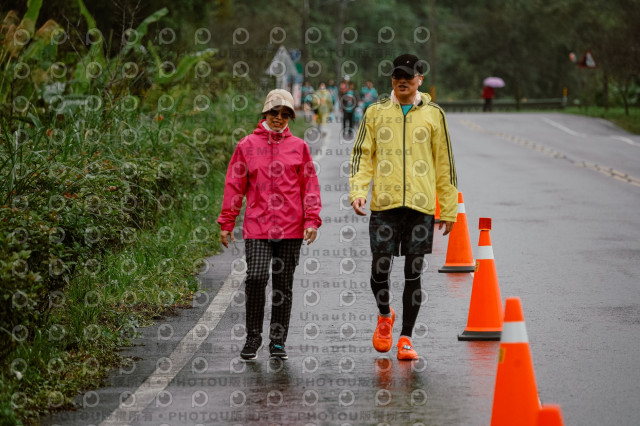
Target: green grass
(90, 250)
(100, 312)
(630, 123)
(143, 267)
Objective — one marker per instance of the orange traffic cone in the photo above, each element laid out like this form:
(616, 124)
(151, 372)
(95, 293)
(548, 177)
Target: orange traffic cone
(459, 255)
(550, 415)
(485, 309)
(436, 216)
(515, 399)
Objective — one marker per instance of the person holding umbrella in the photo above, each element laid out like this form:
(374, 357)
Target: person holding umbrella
(488, 92)
(487, 95)
(275, 171)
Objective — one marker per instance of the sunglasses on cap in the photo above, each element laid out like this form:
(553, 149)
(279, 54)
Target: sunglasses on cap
(284, 114)
(402, 75)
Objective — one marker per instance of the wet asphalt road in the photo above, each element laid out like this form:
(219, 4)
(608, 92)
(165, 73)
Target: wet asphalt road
(565, 237)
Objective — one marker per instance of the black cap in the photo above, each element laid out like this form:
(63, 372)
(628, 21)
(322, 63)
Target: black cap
(408, 63)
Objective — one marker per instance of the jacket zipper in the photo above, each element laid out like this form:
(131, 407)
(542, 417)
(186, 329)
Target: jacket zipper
(271, 192)
(404, 157)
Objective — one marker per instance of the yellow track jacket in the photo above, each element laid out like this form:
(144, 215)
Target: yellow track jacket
(409, 158)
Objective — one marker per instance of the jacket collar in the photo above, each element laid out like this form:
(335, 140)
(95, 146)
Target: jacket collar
(264, 132)
(419, 100)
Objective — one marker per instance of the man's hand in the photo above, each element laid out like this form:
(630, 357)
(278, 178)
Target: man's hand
(358, 206)
(310, 235)
(448, 226)
(223, 238)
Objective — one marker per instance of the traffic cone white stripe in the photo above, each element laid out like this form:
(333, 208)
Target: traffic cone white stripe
(515, 397)
(484, 252)
(514, 332)
(459, 253)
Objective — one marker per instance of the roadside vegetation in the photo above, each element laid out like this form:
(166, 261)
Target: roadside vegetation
(111, 173)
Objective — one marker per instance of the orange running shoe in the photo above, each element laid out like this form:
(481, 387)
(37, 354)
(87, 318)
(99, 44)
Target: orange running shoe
(382, 339)
(405, 349)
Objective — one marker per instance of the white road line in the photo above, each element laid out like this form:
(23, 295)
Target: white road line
(607, 171)
(188, 346)
(561, 127)
(626, 140)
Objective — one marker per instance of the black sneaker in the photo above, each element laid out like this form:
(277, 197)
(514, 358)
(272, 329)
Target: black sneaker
(251, 347)
(277, 351)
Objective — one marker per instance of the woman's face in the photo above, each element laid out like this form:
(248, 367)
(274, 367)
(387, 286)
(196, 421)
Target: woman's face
(277, 119)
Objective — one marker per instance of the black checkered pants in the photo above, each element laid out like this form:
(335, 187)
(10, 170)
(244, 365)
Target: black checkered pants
(283, 256)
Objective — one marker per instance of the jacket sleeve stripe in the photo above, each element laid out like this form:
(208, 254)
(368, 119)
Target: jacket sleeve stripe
(362, 133)
(452, 168)
(357, 149)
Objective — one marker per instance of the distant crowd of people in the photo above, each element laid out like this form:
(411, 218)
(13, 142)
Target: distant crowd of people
(331, 102)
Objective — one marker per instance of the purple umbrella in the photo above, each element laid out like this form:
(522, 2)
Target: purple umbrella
(495, 82)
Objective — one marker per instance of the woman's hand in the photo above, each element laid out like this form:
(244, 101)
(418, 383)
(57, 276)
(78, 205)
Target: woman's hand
(223, 238)
(310, 235)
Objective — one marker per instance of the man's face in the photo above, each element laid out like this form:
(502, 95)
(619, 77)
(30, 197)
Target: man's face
(405, 84)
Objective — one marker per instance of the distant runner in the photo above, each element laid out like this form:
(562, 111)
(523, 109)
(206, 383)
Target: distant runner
(368, 94)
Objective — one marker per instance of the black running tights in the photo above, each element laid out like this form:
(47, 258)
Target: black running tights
(412, 295)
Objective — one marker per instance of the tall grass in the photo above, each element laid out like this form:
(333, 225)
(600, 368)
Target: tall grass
(109, 193)
(120, 226)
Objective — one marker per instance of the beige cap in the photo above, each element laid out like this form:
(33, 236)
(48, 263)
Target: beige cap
(277, 98)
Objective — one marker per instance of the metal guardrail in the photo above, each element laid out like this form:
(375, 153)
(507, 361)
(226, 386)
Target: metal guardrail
(501, 104)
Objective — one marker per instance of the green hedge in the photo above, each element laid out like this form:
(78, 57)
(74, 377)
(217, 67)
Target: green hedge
(109, 191)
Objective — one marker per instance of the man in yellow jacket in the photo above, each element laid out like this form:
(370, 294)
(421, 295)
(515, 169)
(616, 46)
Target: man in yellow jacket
(402, 145)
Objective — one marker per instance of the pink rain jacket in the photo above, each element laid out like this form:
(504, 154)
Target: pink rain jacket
(276, 173)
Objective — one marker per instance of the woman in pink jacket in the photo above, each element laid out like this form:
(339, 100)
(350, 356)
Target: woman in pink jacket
(274, 170)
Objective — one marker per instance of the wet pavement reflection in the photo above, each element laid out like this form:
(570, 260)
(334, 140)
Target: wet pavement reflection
(335, 377)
